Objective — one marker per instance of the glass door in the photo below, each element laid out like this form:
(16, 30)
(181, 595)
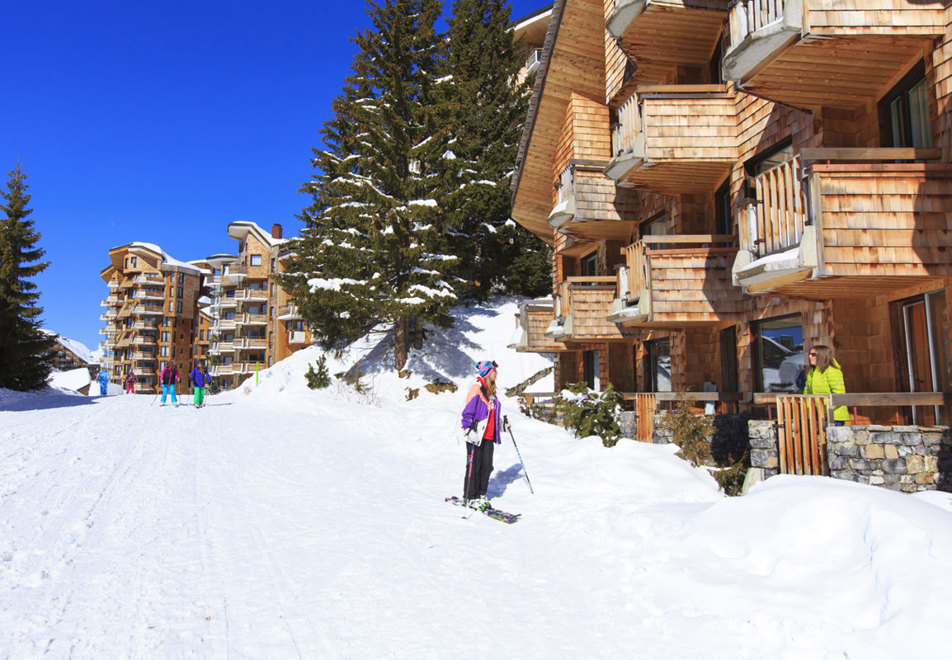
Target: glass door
(925, 337)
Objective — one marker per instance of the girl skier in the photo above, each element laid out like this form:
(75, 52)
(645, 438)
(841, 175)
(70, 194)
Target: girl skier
(169, 378)
(481, 420)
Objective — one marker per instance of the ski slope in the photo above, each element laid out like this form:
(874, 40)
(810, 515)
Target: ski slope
(280, 522)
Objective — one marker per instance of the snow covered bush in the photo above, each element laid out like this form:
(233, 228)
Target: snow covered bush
(588, 412)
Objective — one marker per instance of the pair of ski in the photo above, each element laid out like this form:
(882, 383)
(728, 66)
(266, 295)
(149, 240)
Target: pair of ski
(489, 511)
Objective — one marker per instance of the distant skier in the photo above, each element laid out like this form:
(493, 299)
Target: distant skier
(131, 383)
(481, 419)
(200, 380)
(103, 382)
(169, 377)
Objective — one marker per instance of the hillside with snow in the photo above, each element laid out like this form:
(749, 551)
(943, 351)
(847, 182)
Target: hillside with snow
(280, 521)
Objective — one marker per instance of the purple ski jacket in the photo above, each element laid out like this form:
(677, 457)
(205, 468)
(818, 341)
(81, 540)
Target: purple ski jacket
(476, 410)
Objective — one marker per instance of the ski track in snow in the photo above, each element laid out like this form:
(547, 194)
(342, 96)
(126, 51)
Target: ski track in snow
(292, 524)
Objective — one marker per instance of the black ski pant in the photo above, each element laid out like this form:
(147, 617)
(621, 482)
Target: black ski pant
(479, 465)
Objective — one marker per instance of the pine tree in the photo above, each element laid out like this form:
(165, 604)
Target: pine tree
(484, 106)
(370, 250)
(25, 351)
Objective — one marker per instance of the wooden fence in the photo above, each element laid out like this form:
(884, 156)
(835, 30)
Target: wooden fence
(645, 405)
(801, 434)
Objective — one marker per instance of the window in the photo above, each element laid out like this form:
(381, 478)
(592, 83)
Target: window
(164, 351)
(722, 209)
(728, 340)
(590, 265)
(769, 159)
(181, 278)
(180, 291)
(256, 260)
(590, 370)
(165, 336)
(178, 306)
(654, 226)
(658, 365)
(904, 112)
(778, 354)
(172, 306)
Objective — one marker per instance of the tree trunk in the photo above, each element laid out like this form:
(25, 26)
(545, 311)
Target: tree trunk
(401, 345)
(417, 333)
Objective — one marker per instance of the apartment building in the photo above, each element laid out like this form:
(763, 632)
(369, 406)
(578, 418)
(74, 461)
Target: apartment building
(725, 184)
(226, 310)
(150, 313)
(252, 322)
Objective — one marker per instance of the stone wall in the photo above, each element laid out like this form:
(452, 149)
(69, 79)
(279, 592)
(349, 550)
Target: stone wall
(904, 458)
(764, 453)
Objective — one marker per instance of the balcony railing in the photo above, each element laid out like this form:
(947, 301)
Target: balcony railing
(297, 337)
(260, 295)
(776, 219)
(248, 343)
(748, 16)
(289, 313)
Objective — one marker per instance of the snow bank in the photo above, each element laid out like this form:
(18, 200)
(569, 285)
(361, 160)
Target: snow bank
(284, 522)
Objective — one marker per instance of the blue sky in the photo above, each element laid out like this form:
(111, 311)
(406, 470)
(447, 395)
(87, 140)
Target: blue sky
(163, 122)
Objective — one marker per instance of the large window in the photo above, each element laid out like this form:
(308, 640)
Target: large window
(590, 265)
(904, 112)
(658, 365)
(778, 354)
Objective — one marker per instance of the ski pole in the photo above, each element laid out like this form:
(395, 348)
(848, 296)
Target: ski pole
(508, 427)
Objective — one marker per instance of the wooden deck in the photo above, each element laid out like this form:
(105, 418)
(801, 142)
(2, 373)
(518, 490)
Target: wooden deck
(534, 318)
(812, 53)
(679, 139)
(679, 280)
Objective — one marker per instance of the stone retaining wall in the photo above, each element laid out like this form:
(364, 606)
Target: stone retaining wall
(903, 458)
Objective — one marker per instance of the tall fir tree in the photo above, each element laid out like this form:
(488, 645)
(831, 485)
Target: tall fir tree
(369, 253)
(25, 351)
(484, 104)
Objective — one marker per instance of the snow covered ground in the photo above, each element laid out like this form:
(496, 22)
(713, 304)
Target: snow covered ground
(283, 522)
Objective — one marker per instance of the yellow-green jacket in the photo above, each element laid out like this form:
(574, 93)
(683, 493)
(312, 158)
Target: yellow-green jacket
(828, 382)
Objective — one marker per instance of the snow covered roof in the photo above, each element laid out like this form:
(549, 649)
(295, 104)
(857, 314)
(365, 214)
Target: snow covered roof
(167, 259)
(77, 348)
(238, 230)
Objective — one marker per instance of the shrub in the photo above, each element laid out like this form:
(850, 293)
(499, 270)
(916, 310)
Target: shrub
(694, 433)
(318, 379)
(590, 413)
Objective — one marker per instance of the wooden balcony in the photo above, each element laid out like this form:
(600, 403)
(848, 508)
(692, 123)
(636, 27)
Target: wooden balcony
(675, 139)
(847, 223)
(677, 280)
(660, 35)
(534, 317)
(811, 53)
(591, 207)
(582, 309)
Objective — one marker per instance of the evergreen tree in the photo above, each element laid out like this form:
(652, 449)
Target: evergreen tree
(484, 107)
(369, 253)
(25, 351)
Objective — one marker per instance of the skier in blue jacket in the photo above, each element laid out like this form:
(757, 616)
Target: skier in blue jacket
(103, 382)
(200, 380)
(482, 419)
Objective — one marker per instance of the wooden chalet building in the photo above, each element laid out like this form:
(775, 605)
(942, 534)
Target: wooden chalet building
(725, 184)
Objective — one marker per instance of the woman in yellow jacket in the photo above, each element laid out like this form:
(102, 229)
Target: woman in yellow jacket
(826, 377)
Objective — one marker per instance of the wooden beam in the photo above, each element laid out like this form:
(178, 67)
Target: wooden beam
(875, 154)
